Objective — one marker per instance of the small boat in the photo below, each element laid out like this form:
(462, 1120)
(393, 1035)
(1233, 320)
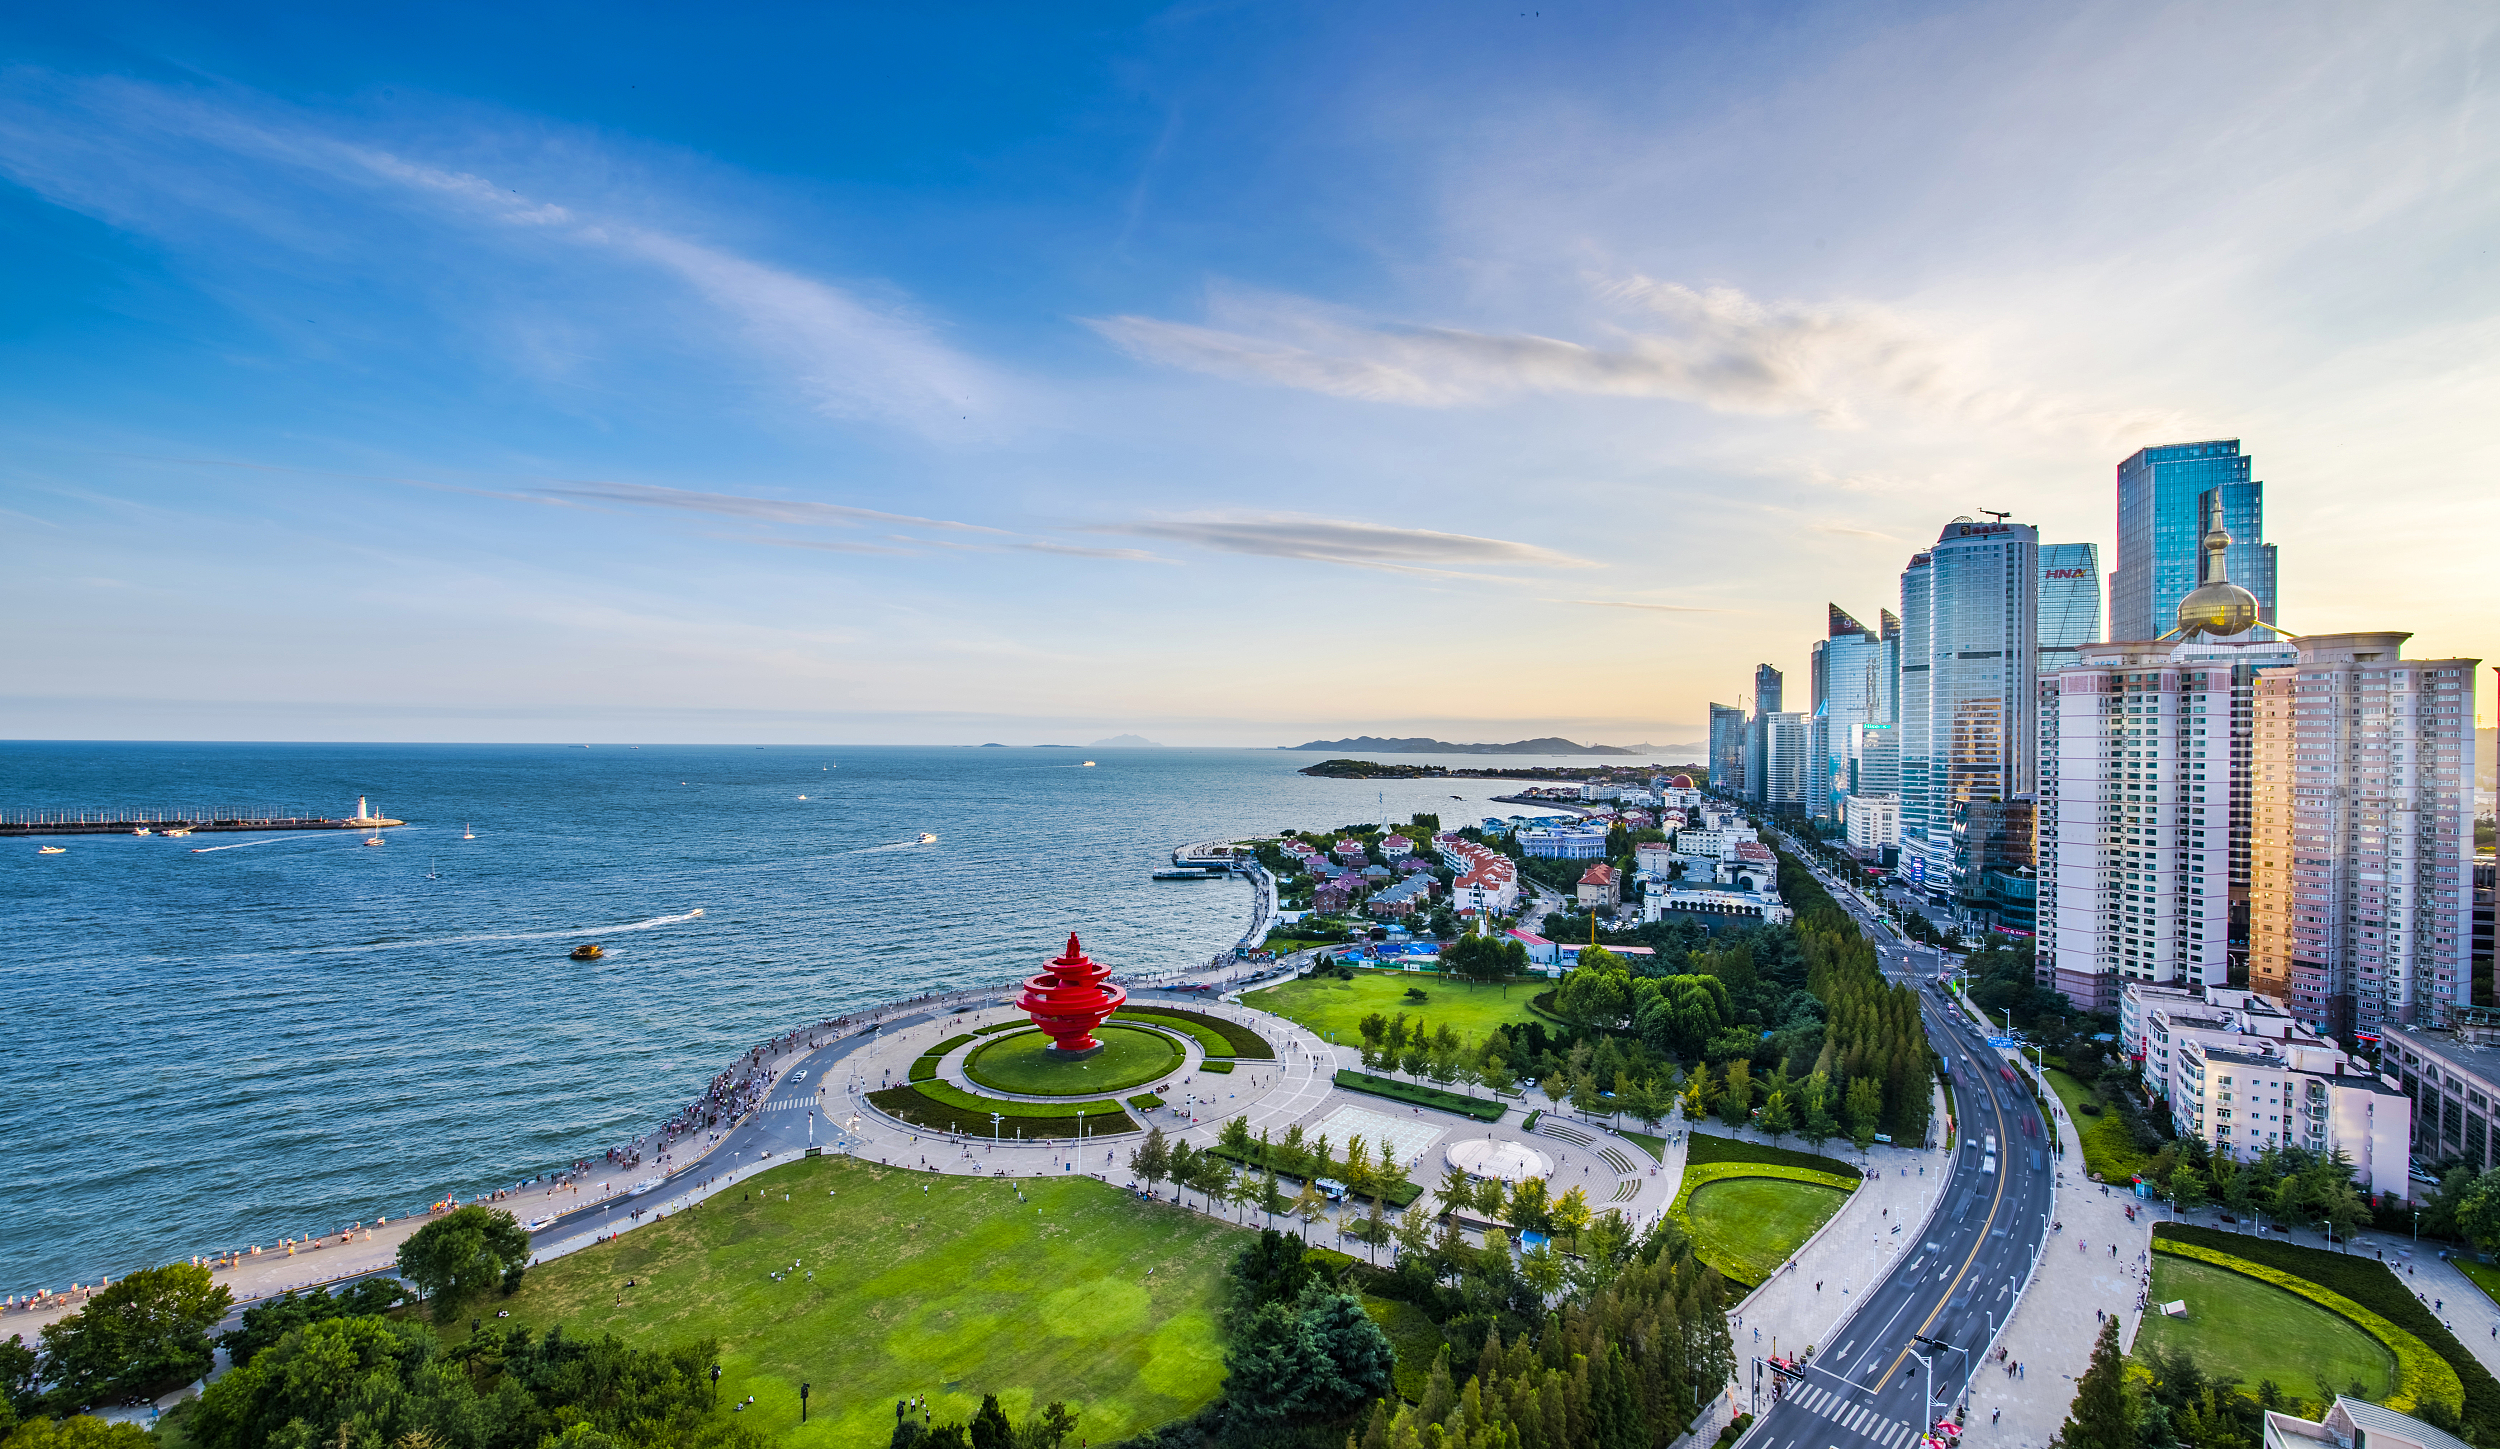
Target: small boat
(429, 869)
(143, 830)
(802, 797)
(587, 953)
(927, 839)
(465, 832)
(177, 834)
(1186, 872)
(1088, 765)
(51, 850)
(373, 840)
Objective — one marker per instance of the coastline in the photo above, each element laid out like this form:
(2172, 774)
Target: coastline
(259, 1272)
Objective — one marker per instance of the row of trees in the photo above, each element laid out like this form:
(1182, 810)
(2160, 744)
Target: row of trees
(990, 1428)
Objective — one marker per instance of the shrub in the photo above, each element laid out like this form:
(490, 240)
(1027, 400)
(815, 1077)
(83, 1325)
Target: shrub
(1215, 1064)
(1476, 1107)
(934, 1104)
(1706, 1147)
(1237, 1040)
(1145, 1101)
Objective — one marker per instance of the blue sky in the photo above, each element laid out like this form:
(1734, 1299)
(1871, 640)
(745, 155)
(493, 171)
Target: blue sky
(1231, 374)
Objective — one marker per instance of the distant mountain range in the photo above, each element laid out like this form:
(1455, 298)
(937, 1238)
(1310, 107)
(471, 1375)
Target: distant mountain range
(1550, 745)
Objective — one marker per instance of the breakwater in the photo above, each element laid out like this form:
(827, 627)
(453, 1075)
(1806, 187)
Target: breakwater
(163, 822)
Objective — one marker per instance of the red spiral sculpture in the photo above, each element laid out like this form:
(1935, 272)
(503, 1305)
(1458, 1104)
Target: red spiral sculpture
(1070, 999)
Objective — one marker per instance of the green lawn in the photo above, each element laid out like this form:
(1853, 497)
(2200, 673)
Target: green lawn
(941, 1285)
(1656, 1147)
(1327, 1005)
(1130, 1057)
(2108, 1149)
(2252, 1331)
(2485, 1276)
(1747, 1226)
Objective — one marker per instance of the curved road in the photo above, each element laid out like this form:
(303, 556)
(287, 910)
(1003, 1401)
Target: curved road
(1903, 1357)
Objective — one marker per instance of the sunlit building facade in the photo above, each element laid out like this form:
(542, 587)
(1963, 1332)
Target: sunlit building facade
(2070, 601)
(2163, 497)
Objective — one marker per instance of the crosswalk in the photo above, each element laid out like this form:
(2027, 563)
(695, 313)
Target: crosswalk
(1855, 1418)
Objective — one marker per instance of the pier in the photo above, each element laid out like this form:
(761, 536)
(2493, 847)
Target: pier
(161, 822)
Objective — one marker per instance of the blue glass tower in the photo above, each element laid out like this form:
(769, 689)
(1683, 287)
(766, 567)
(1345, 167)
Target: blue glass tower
(2161, 497)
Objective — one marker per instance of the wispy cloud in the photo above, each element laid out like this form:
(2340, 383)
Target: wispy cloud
(168, 162)
(819, 545)
(1329, 540)
(1715, 347)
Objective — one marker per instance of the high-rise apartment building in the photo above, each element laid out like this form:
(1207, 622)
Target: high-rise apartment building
(1781, 764)
(2144, 797)
(2164, 495)
(2070, 601)
(1979, 625)
(1852, 686)
(1727, 751)
(2361, 917)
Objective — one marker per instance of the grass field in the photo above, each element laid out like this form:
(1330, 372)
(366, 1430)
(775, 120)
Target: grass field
(1130, 1057)
(2253, 1331)
(2485, 1276)
(1326, 1006)
(947, 1286)
(1747, 1226)
(2108, 1149)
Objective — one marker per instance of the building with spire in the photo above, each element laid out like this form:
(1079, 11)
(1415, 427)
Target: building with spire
(2144, 792)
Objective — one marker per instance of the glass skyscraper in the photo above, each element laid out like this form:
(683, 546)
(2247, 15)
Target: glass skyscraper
(1977, 593)
(2070, 601)
(1727, 751)
(2161, 524)
(1852, 687)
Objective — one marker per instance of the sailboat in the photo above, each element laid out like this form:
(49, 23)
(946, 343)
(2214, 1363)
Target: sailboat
(465, 832)
(429, 869)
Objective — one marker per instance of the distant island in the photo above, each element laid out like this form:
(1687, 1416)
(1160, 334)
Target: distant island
(1550, 745)
(1125, 742)
(1348, 769)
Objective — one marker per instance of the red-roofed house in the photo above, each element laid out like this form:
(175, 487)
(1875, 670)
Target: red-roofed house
(1350, 851)
(1397, 847)
(1600, 887)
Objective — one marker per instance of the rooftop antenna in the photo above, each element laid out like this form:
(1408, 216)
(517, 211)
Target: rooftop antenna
(1999, 517)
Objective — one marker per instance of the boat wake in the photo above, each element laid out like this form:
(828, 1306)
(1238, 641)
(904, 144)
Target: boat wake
(205, 849)
(654, 922)
(896, 845)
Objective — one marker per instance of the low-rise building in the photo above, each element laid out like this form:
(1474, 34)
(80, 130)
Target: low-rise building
(2355, 1424)
(1405, 898)
(2240, 1073)
(1601, 888)
(1397, 847)
(1712, 904)
(2453, 1080)
(1487, 879)
(1351, 852)
(1712, 841)
(1653, 857)
(1874, 820)
(1563, 844)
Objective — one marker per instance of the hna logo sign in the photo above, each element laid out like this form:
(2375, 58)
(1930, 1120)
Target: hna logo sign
(2068, 574)
(1966, 530)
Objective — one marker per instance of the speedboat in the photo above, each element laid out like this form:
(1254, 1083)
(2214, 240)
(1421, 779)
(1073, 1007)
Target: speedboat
(143, 830)
(177, 834)
(927, 839)
(51, 850)
(373, 840)
(587, 953)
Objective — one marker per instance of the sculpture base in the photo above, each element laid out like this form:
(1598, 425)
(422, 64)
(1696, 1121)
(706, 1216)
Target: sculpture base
(1057, 1053)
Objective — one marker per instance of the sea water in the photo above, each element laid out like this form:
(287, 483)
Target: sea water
(221, 1040)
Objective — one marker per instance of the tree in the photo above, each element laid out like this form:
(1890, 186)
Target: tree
(1315, 1359)
(1817, 1125)
(1151, 1159)
(1051, 1429)
(463, 1254)
(1181, 1162)
(990, 1429)
(1736, 1102)
(1863, 1105)
(1310, 1205)
(1570, 1213)
(143, 1335)
(1414, 1232)
(1270, 1269)
(1543, 1268)
(1777, 1120)
(2187, 1188)
(2100, 1417)
(1270, 1199)
(2478, 1211)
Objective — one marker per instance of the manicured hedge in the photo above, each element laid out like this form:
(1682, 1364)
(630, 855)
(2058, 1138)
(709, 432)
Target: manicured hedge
(2372, 1285)
(2420, 1372)
(1145, 1101)
(1699, 1174)
(925, 1069)
(1237, 1040)
(1476, 1107)
(1528, 1123)
(1214, 1064)
(1703, 1147)
(924, 1106)
(1002, 1026)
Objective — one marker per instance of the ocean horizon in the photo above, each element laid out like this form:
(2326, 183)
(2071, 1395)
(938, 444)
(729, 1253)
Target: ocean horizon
(227, 1039)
